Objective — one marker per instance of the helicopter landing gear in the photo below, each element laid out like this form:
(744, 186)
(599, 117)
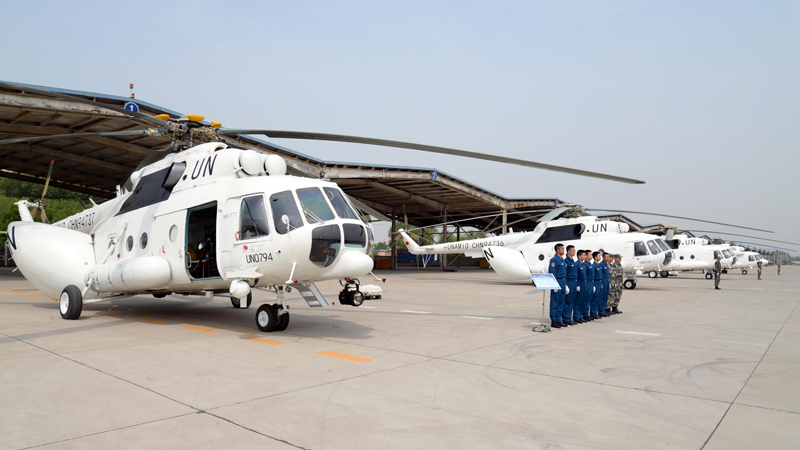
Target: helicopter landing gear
(709, 276)
(266, 318)
(629, 284)
(273, 317)
(664, 274)
(652, 274)
(71, 303)
(237, 302)
(744, 271)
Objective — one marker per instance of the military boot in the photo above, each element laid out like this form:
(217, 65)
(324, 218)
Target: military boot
(614, 310)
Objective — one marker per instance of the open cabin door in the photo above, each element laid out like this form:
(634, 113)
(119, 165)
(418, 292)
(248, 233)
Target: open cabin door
(201, 242)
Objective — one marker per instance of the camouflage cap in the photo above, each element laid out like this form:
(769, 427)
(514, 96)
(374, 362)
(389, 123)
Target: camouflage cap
(617, 255)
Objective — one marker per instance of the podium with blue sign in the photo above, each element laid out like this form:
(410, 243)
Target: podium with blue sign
(544, 282)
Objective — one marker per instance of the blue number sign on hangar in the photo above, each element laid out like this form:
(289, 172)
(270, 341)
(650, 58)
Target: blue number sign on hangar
(132, 107)
(434, 175)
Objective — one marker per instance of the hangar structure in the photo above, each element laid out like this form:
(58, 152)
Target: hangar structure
(422, 196)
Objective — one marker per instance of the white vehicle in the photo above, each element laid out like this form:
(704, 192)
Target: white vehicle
(747, 260)
(209, 219)
(516, 256)
(697, 254)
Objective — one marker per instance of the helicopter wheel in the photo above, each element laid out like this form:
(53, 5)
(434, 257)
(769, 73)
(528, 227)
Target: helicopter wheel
(267, 318)
(629, 284)
(71, 303)
(709, 276)
(237, 302)
(744, 272)
(664, 274)
(652, 274)
(283, 322)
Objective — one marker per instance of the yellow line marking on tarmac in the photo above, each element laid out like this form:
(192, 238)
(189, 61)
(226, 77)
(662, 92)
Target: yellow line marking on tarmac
(35, 296)
(344, 356)
(54, 301)
(113, 312)
(263, 341)
(202, 330)
(17, 292)
(149, 319)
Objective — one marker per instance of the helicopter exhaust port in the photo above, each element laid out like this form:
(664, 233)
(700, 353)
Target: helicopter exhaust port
(351, 295)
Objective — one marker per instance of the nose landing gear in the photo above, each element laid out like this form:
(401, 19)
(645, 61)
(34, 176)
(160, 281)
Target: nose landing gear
(273, 317)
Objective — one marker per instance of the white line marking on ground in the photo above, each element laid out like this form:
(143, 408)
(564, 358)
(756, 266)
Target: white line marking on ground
(634, 332)
(368, 307)
(414, 312)
(741, 342)
(476, 317)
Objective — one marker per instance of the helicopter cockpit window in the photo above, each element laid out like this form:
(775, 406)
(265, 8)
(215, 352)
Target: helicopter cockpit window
(325, 244)
(653, 247)
(315, 207)
(354, 235)
(283, 204)
(662, 244)
(717, 254)
(726, 253)
(639, 249)
(343, 209)
(254, 218)
(750, 258)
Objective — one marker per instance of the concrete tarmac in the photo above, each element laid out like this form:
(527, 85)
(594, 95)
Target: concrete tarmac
(443, 360)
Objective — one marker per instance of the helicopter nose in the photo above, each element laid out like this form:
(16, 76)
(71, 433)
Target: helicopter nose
(351, 264)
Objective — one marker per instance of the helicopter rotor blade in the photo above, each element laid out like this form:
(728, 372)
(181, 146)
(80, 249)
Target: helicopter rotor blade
(276, 134)
(742, 235)
(768, 245)
(34, 90)
(78, 135)
(676, 217)
(44, 215)
(47, 182)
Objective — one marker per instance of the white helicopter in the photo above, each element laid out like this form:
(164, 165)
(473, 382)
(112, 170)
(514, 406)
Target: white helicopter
(209, 219)
(694, 253)
(516, 256)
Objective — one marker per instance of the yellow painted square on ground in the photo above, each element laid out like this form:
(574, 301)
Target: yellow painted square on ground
(149, 319)
(344, 356)
(202, 330)
(35, 296)
(263, 341)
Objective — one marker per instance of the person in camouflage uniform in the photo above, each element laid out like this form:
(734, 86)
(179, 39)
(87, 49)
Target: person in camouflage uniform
(615, 280)
(717, 271)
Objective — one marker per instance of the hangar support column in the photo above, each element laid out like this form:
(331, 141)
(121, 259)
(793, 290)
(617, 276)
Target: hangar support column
(394, 244)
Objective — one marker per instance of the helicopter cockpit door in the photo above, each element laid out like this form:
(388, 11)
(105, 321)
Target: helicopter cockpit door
(201, 242)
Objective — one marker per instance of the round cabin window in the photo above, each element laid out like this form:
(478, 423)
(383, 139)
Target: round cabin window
(173, 233)
(541, 257)
(143, 240)
(129, 243)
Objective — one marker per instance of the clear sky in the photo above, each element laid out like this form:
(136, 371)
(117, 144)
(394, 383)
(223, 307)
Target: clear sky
(699, 99)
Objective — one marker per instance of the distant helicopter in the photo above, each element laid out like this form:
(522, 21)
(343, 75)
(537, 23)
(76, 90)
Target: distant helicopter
(516, 256)
(208, 218)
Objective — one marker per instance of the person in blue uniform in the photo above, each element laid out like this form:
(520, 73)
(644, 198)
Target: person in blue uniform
(588, 289)
(604, 296)
(597, 285)
(577, 308)
(557, 297)
(572, 286)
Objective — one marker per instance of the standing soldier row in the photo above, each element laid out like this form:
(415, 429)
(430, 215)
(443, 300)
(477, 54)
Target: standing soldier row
(590, 282)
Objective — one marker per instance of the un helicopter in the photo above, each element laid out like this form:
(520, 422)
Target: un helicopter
(696, 253)
(203, 216)
(515, 256)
